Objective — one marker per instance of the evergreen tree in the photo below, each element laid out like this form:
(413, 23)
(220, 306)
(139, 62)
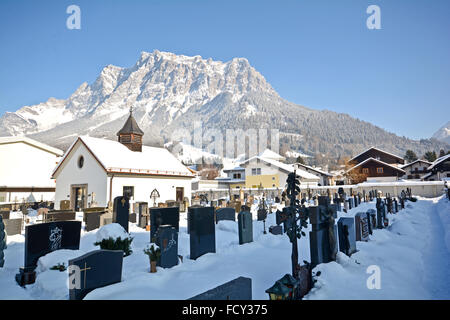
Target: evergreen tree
(410, 156)
(430, 156)
(441, 153)
(300, 160)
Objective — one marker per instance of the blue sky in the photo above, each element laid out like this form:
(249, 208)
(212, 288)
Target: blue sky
(319, 54)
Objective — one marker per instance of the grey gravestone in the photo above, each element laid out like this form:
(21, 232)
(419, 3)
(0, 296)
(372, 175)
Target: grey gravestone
(121, 211)
(143, 216)
(43, 238)
(13, 226)
(98, 269)
(164, 216)
(361, 227)
(2, 242)
(346, 229)
(323, 236)
(93, 220)
(225, 214)
(372, 219)
(133, 217)
(276, 230)
(167, 240)
(202, 231)
(245, 227)
(237, 289)
(60, 216)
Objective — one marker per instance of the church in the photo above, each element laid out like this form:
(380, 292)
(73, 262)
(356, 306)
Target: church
(94, 171)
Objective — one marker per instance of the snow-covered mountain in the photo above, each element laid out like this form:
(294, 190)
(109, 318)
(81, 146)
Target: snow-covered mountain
(169, 92)
(443, 134)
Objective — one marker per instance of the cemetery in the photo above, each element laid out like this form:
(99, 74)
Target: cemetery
(208, 253)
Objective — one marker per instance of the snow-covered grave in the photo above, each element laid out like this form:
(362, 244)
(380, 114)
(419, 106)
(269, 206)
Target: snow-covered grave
(412, 254)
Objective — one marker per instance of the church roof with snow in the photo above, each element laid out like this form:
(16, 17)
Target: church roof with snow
(114, 157)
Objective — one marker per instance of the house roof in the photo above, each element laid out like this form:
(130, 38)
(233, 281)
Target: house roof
(411, 163)
(379, 161)
(269, 154)
(130, 126)
(31, 142)
(374, 148)
(438, 161)
(114, 157)
(234, 169)
(285, 167)
(314, 169)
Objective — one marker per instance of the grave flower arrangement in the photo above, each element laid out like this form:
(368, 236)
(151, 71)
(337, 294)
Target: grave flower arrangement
(154, 253)
(114, 237)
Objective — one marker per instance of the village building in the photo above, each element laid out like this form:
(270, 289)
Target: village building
(375, 165)
(439, 169)
(25, 170)
(94, 171)
(269, 173)
(326, 178)
(416, 169)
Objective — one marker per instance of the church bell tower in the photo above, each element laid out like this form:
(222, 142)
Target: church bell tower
(131, 135)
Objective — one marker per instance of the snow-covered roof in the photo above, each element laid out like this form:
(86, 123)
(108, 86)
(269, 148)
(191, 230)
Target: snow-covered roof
(439, 160)
(314, 169)
(269, 154)
(374, 148)
(376, 160)
(286, 167)
(234, 169)
(37, 144)
(116, 158)
(411, 163)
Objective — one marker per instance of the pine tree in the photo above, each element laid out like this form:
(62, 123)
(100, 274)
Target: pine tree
(430, 156)
(410, 156)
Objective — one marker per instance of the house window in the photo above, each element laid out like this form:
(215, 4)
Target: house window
(128, 191)
(379, 170)
(365, 170)
(236, 176)
(256, 171)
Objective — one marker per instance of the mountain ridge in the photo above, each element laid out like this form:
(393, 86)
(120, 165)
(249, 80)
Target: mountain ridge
(169, 92)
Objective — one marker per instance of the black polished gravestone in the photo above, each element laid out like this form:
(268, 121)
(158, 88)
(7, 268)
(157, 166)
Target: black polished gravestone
(202, 231)
(143, 217)
(225, 214)
(164, 216)
(380, 213)
(346, 229)
(2, 242)
(323, 235)
(13, 226)
(121, 211)
(395, 205)
(237, 289)
(167, 241)
(94, 270)
(372, 219)
(362, 227)
(245, 227)
(43, 238)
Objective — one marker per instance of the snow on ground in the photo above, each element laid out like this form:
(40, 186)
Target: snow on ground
(413, 255)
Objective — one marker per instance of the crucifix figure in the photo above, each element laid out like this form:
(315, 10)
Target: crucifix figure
(85, 270)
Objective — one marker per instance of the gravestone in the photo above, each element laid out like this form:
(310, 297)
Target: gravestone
(121, 211)
(225, 214)
(43, 238)
(13, 226)
(395, 205)
(380, 213)
(143, 215)
(262, 214)
(350, 203)
(167, 240)
(60, 216)
(355, 200)
(245, 227)
(346, 229)
(133, 217)
(5, 215)
(276, 230)
(98, 269)
(163, 216)
(323, 236)
(371, 218)
(362, 227)
(2, 242)
(237, 289)
(202, 231)
(64, 205)
(94, 219)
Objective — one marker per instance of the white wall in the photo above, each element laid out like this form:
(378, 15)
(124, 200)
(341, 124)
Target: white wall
(23, 165)
(91, 174)
(144, 185)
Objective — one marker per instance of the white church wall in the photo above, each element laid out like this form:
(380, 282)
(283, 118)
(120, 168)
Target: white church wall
(91, 174)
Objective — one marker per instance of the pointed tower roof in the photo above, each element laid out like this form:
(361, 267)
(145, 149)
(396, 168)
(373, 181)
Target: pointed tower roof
(130, 126)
